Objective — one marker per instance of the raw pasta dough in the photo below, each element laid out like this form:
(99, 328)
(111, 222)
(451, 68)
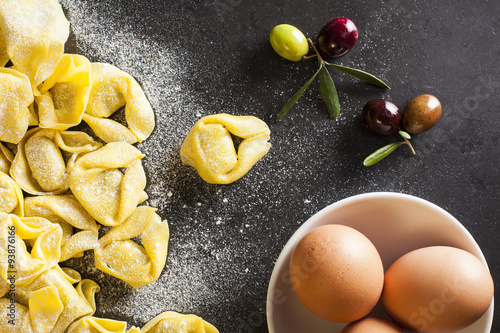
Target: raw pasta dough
(118, 255)
(15, 97)
(173, 322)
(11, 196)
(104, 191)
(44, 238)
(112, 89)
(64, 95)
(100, 325)
(6, 158)
(66, 211)
(32, 36)
(52, 301)
(39, 167)
(210, 149)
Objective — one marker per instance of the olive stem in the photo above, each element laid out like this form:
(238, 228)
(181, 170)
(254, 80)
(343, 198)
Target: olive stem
(310, 57)
(320, 60)
(409, 145)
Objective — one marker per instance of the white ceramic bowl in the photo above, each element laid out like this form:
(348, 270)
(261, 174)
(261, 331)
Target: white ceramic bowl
(396, 224)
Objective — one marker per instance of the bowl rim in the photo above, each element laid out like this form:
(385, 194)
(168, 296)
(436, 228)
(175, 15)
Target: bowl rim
(299, 233)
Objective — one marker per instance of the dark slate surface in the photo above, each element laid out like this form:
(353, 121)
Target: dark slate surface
(230, 236)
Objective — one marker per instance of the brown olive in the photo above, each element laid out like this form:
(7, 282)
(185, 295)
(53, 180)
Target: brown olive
(421, 113)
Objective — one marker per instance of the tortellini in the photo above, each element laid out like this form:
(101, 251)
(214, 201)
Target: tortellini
(15, 97)
(109, 195)
(44, 238)
(100, 325)
(209, 146)
(55, 91)
(64, 95)
(52, 301)
(32, 36)
(112, 89)
(173, 322)
(11, 196)
(118, 255)
(66, 211)
(39, 167)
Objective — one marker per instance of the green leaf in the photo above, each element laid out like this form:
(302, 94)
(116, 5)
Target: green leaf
(291, 102)
(329, 92)
(381, 153)
(362, 75)
(405, 135)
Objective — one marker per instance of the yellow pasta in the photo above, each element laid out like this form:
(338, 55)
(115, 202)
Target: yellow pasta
(4, 287)
(64, 95)
(45, 307)
(35, 46)
(45, 240)
(15, 97)
(75, 142)
(6, 158)
(209, 146)
(112, 89)
(173, 322)
(39, 167)
(121, 257)
(87, 289)
(109, 130)
(55, 91)
(11, 196)
(66, 211)
(109, 195)
(53, 302)
(14, 317)
(100, 325)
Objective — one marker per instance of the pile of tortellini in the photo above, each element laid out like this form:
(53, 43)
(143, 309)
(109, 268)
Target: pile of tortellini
(74, 184)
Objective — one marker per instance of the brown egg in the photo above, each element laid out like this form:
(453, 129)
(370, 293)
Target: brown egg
(372, 325)
(421, 113)
(337, 273)
(437, 289)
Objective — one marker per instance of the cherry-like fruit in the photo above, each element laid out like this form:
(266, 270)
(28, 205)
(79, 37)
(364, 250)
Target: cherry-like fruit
(337, 37)
(382, 116)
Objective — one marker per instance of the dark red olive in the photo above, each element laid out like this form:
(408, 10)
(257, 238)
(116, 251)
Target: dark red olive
(337, 37)
(382, 116)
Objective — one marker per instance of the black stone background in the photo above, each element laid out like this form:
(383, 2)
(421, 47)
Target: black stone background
(447, 48)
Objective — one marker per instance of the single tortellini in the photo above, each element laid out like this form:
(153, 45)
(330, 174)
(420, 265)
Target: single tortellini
(11, 196)
(121, 257)
(66, 211)
(209, 146)
(18, 263)
(15, 97)
(54, 303)
(173, 322)
(109, 195)
(39, 166)
(32, 36)
(91, 324)
(64, 95)
(112, 89)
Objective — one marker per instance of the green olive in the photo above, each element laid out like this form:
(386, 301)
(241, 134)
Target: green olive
(289, 42)
(421, 114)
